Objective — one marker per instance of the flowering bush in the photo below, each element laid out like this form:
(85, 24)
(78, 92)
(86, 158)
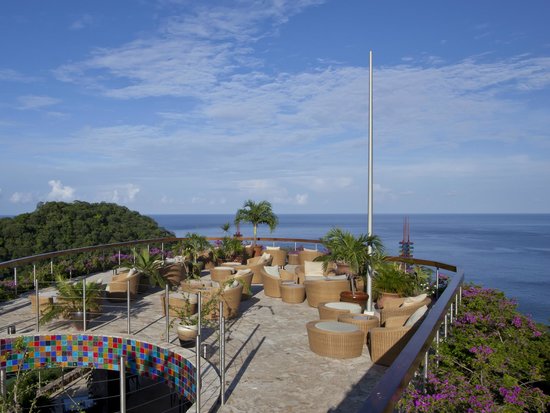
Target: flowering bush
(495, 359)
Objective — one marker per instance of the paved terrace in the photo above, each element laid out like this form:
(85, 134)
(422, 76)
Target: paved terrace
(269, 365)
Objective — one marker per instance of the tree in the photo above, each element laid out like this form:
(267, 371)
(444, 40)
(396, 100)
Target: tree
(256, 214)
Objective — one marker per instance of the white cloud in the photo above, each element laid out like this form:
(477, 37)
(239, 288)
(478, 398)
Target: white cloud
(21, 198)
(301, 199)
(36, 102)
(11, 75)
(60, 192)
(125, 193)
(82, 22)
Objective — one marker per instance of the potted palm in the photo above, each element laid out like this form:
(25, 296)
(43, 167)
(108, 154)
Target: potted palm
(193, 247)
(149, 266)
(70, 301)
(355, 254)
(257, 213)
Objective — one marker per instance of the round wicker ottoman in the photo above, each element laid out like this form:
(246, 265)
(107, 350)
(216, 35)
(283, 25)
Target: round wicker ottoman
(293, 293)
(362, 321)
(335, 339)
(331, 310)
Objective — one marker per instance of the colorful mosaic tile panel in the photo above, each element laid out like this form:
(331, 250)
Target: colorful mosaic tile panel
(100, 352)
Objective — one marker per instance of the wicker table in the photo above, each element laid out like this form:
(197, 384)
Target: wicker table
(362, 321)
(293, 293)
(331, 310)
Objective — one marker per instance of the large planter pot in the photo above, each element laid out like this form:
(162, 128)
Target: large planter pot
(386, 296)
(187, 334)
(357, 297)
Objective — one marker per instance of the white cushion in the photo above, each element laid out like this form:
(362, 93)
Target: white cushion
(131, 272)
(340, 305)
(234, 284)
(315, 278)
(224, 268)
(313, 268)
(272, 270)
(272, 248)
(243, 272)
(231, 264)
(413, 300)
(337, 277)
(291, 268)
(417, 315)
(310, 250)
(265, 257)
(336, 326)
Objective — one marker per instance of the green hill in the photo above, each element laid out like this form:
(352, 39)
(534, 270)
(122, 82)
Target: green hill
(55, 226)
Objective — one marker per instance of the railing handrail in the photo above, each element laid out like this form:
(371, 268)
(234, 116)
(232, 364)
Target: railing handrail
(47, 255)
(388, 391)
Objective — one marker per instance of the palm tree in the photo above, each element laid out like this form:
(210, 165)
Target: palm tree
(257, 213)
(344, 247)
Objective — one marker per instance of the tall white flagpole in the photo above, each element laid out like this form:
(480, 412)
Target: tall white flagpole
(370, 202)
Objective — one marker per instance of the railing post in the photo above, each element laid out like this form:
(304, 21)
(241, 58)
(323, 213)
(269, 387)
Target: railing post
(122, 367)
(425, 375)
(445, 331)
(128, 306)
(198, 371)
(3, 382)
(460, 294)
(456, 306)
(167, 311)
(222, 355)
(84, 304)
(162, 251)
(37, 298)
(119, 258)
(199, 313)
(15, 279)
(451, 314)
(51, 266)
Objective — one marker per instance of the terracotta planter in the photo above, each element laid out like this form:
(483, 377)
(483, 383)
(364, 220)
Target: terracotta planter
(357, 297)
(385, 296)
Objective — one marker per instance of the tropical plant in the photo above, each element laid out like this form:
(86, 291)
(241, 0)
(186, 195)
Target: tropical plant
(70, 299)
(358, 252)
(230, 248)
(149, 266)
(256, 214)
(225, 227)
(389, 278)
(192, 247)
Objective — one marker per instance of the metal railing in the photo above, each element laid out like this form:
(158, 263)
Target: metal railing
(385, 396)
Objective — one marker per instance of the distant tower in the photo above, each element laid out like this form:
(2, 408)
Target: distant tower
(406, 245)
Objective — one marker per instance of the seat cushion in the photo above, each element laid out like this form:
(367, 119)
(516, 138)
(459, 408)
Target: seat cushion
(408, 301)
(340, 305)
(272, 270)
(336, 327)
(272, 248)
(417, 315)
(313, 268)
(337, 277)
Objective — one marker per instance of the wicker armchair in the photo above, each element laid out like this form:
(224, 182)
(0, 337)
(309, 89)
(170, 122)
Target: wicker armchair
(323, 291)
(385, 343)
(272, 286)
(173, 273)
(279, 256)
(308, 255)
(212, 293)
(255, 264)
(221, 274)
(118, 287)
(395, 308)
(334, 339)
(246, 277)
(179, 301)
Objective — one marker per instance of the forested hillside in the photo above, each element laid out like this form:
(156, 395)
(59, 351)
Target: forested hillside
(56, 226)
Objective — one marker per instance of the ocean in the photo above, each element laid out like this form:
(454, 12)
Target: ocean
(509, 252)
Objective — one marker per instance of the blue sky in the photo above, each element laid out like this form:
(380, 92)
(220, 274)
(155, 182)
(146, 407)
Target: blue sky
(179, 106)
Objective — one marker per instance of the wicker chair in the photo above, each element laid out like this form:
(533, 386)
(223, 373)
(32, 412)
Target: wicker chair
(334, 339)
(394, 308)
(118, 287)
(323, 291)
(173, 273)
(331, 310)
(385, 343)
(211, 292)
(246, 277)
(221, 274)
(279, 256)
(178, 301)
(308, 255)
(272, 284)
(255, 264)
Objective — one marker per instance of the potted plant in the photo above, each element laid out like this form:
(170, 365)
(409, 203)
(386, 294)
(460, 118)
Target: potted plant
(390, 280)
(70, 303)
(256, 214)
(231, 248)
(355, 254)
(149, 266)
(192, 248)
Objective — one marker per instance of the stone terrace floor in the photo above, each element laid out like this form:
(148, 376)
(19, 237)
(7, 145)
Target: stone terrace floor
(270, 367)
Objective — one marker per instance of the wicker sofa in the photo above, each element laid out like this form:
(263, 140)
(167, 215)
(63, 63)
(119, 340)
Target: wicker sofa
(256, 264)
